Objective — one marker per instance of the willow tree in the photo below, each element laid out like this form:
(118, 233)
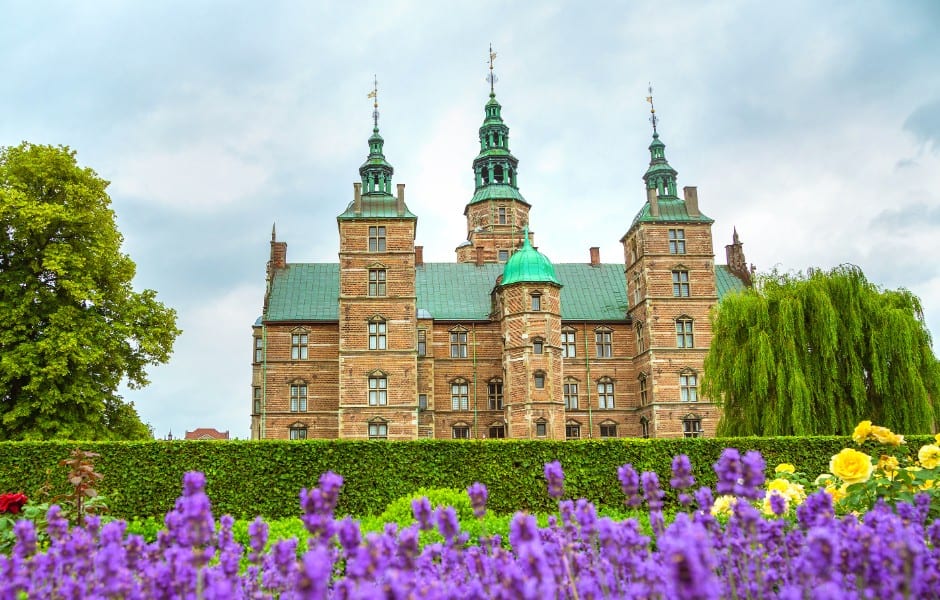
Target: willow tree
(816, 354)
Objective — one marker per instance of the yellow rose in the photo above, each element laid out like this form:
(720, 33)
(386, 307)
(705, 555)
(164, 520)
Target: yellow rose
(823, 480)
(851, 466)
(785, 468)
(723, 505)
(837, 493)
(888, 465)
(886, 437)
(862, 431)
(929, 456)
(937, 437)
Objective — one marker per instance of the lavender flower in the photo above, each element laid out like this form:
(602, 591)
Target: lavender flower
(478, 496)
(630, 485)
(555, 478)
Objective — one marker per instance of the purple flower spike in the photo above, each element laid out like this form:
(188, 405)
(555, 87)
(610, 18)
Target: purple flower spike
(421, 507)
(630, 484)
(752, 476)
(555, 478)
(654, 495)
(478, 496)
(729, 471)
(681, 473)
(447, 523)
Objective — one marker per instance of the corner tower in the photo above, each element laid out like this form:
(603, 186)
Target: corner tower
(529, 306)
(377, 366)
(497, 212)
(670, 271)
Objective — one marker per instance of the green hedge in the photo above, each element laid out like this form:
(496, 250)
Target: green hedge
(250, 478)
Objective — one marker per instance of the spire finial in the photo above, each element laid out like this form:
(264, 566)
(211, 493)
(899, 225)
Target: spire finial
(653, 118)
(492, 76)
(374, 94)
(273, 232)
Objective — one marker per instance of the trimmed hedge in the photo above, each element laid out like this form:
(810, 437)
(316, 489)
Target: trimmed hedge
(248, 478)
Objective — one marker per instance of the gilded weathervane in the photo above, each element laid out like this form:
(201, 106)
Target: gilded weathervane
(374, 94)
(492, 76)
(653, 118)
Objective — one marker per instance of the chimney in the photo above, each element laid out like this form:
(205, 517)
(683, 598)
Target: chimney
(419, 256)
(357, 198)
(479, 250)
(691, 200)
(653, 199)
(400, 204)
(595, 256)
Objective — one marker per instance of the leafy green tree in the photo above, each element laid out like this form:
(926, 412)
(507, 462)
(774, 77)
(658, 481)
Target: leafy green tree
(71, 326)
(817, 354)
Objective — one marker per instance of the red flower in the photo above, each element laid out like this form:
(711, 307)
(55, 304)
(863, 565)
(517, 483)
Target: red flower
(12, 503)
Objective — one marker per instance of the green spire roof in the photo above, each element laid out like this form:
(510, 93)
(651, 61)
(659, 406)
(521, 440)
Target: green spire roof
(660, 175)
(529, 265)
(495, 167)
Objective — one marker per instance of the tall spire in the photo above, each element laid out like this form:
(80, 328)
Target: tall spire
(376, 172)
(495, 167)
(660, 175)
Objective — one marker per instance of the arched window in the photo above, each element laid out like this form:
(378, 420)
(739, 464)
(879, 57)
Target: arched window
(605, 393)
(644, 427)
(378, 389)
(684, 335)
(460, 394)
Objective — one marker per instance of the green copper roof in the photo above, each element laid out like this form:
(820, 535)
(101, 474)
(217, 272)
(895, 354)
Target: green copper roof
(727, 282)
(497, 191)
(461, 291)
(528, 265)
(376, 207)
(671, 210)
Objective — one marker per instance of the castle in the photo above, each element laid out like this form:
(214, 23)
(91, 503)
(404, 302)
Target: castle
(501, 343)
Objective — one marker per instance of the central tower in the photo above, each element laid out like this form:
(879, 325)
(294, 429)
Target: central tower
(497, 212)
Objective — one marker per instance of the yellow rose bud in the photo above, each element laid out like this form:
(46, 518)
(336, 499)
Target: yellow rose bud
(888, 465)
(785, 468)
(851, 466)
(929, 456)
(862, 431)
(836, 493)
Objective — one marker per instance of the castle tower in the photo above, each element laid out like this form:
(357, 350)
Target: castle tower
(530, 320)
(497, 212)
(377, 326)
(670, 288)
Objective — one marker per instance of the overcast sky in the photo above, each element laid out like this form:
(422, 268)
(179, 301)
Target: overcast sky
(814, 128)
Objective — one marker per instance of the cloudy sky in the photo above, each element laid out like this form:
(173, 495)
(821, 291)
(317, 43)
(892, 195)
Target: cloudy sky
(813, 128)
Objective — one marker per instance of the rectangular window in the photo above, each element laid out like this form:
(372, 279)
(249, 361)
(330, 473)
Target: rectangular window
(536, 302)
(460, 395)
(377, 282)
(502, 215)
(298, 433)
(378, 431)
(680, 284)
(571, 396)
(677, 241)
(608, 431)
(497, 432)
(640, 340)
(539, 380)
(460, 432)
(605, 394)
(692, 428)
(495, 395)
(298, 397)
(684, 333)
(568, 345)
(377, 335)
(602, 339)
(298, 346)
(422, 401)
(378, 390)
(688, 387)
(256, 399)
(458, 344)
(644, 428)
(572, 432)
(541, 429)
(643, 396)
(377, 239)
(422, 342)
(259, 349)
(503, 255)
(636, 289)
(537, 346)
